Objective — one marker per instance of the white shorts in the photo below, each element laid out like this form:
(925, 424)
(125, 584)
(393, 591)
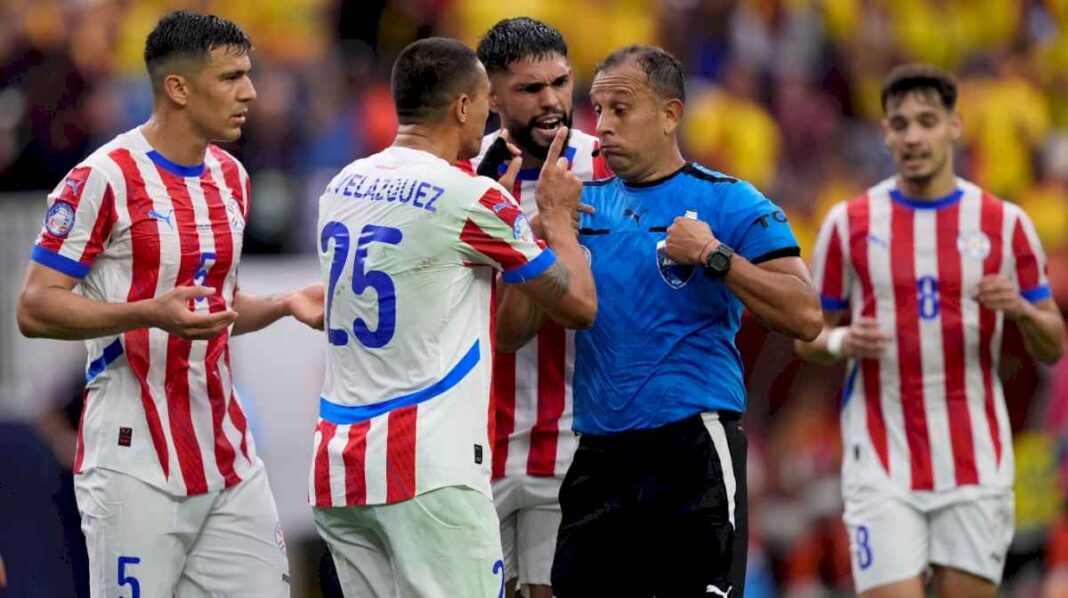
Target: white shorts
(145, 542)
(529, 509)
(893, 538)
(441, 543)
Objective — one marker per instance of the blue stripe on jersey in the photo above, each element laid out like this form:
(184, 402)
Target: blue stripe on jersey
(532, 269)
(833, 303)
(851, 381)
(343, 414)
(98, 365)
(1037, 294)
(60, 263)
(174, 167)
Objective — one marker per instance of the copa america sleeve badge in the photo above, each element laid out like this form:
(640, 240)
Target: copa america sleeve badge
(60, 219)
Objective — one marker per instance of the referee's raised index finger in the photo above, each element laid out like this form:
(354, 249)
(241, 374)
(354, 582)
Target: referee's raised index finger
(557, 146)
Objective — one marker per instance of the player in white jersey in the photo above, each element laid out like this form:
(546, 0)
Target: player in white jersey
(409, 248)
(174, 500)
(531, 88)
(928, 266)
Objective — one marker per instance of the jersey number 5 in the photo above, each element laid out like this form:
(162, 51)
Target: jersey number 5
(361, 280)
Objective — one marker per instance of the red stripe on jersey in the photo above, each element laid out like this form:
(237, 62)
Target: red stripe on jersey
(909, 353)
(105, 220)
(190, 461)
(355, 458)
(991, 222)
(1027, 274)
(465, 165)
(216, 278)
(224, 450)
(600, 166)
(322, 464)
(502, 395)
(502, 207)
(400, 454)
(859, 214)
(552, 349)
(144, 230)
(232, 177)
(233, 408)
(496, 249)
(949, 282)
(79, 450)
(73, 188)
(833, 267)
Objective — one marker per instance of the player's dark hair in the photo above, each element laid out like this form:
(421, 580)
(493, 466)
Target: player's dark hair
(521, 38)
(923, 78)
(663, 69)
(429, 75)
(186, 34)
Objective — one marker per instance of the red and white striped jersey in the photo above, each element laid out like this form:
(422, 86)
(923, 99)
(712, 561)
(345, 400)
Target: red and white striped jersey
(409, 249)
(132, 225)
(532, 387)
(930, 414)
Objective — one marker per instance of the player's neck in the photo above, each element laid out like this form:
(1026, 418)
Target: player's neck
(428, 140)
(932, 189)
(176, 139)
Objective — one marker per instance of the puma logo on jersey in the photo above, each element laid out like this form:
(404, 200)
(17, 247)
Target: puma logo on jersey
(73, 184)
(636, 216)
(877, 240)
(711, 589)
(162, 218)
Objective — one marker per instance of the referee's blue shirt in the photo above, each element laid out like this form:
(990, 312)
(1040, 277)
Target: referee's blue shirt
(662, 347)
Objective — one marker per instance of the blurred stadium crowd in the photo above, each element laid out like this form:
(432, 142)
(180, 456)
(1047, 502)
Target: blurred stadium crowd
(783, 93)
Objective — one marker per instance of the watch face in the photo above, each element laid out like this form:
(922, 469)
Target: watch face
(719, 261)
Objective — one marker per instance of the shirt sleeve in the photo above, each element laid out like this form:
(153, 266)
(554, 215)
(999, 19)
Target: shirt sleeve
(1031, 268)
(496, 233)
(78, 222)
(757, 229)
(830, 268)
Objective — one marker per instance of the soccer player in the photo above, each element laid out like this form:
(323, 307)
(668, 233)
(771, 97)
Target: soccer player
(928, 266)
(409, 248)
(654, 501)
(174, 500)
(530, 89)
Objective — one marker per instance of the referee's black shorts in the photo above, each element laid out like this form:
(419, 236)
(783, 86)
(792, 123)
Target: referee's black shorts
(658, 512)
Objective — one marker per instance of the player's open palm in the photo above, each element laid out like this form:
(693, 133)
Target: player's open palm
(865, 340)
(306, 305)
(172, 312)
(558, 189)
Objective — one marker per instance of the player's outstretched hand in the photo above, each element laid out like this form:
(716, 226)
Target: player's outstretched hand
(306, 305)
(172, 311)
(687, 239)
(995, 292)
(865, 340)
(558, 189)
(507, 179)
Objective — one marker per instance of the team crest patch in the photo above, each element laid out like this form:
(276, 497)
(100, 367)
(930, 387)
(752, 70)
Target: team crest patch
(60, 219)
(521, 229)
(974, 245)
(279, 539)
(233, 211)
(676, 275)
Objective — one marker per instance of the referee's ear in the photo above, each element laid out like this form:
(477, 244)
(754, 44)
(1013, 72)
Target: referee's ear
(671, 115)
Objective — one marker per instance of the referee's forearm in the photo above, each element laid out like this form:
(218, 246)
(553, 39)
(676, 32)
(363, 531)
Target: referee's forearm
(783, 301)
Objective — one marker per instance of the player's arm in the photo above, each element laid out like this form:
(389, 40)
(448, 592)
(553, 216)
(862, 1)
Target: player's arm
(1040, 322)
(48, 307)
(519, 318)
(777, 291)
(863, 339)
(255, 313)
(565, 291)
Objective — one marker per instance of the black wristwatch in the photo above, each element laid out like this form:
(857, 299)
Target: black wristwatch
(718, 262)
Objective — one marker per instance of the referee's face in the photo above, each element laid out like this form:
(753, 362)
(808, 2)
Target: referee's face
(630, 122)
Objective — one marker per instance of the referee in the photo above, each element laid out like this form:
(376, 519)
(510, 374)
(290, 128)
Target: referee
(655, 502)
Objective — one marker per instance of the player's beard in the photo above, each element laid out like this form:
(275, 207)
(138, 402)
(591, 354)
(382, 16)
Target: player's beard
(523, 135)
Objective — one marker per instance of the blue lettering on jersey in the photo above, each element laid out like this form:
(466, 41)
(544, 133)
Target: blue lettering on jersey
(403, 191)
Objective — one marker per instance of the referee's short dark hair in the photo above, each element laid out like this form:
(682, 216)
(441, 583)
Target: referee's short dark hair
(923, 78)
(428, 75)
(663, 69)
(521, 38)
(187, 34)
